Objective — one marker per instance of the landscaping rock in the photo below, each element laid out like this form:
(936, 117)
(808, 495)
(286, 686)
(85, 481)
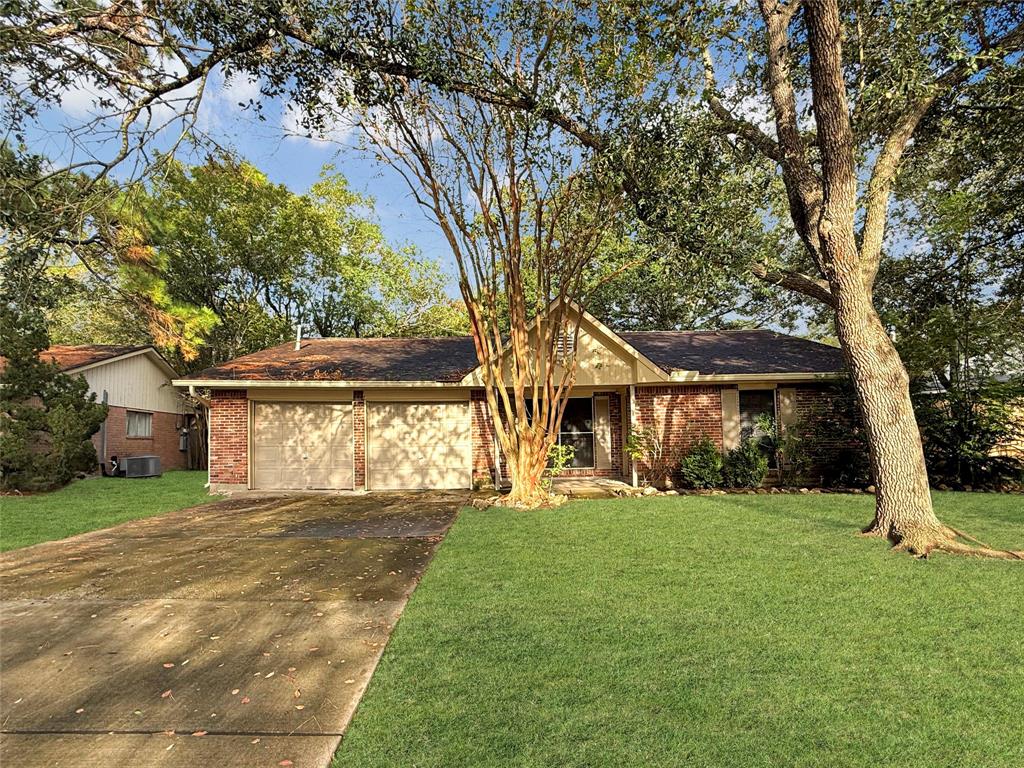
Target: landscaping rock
(650, 490)
(670, 492)
(870, 489)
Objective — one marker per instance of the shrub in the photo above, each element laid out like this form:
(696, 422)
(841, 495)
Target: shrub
(701, 467)
(559, 458)
(788, 446)
(963, 431)
(46, 417)
(745, 466)
(656, 463)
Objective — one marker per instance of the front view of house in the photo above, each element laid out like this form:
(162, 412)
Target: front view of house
(388, 414)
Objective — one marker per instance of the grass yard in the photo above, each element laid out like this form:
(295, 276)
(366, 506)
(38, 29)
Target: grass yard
(87, 505)
(703, 631)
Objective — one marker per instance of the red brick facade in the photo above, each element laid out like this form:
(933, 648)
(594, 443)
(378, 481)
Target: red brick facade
(163, 442)
(680, 414)
(229, 437)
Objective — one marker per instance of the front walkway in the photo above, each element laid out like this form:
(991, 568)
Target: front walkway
(241, 633)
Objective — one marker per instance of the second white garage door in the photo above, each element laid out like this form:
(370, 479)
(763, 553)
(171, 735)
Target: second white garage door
(418, 445)
(302, 445)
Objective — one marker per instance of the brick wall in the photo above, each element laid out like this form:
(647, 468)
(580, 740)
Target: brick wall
(680, 414)
(825, 404)
(359, 431)
(162, 443)
(229, 437)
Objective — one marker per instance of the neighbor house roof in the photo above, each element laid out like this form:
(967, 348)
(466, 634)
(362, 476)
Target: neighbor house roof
(449, 359)
(719, 353)
(72, 357)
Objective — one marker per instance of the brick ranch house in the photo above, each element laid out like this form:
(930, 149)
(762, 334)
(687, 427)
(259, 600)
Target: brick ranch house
(386, 414)
(146, 414)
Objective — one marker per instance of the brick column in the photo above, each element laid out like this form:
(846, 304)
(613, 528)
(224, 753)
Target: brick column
(359, 430)
(483, 439)
(229, 438)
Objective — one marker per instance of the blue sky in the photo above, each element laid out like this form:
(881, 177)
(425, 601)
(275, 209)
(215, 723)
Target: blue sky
(276, 145)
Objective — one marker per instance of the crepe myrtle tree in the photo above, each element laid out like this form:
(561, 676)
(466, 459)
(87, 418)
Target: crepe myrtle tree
(523, 220)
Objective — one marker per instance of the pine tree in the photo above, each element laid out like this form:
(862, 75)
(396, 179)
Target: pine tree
(46, 417)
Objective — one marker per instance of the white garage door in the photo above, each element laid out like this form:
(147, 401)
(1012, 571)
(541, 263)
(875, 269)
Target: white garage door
(302, 446)
(419, 445)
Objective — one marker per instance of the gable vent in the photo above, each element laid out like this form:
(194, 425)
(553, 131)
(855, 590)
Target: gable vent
(565, 344)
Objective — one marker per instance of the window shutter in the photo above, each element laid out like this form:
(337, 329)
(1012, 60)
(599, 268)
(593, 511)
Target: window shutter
(602, 434)
(730, 419)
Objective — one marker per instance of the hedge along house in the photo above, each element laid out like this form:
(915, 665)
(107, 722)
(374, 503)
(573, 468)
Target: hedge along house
(388, 414)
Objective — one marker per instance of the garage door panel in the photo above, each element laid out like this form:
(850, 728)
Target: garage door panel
(419, 445)
(302, 445)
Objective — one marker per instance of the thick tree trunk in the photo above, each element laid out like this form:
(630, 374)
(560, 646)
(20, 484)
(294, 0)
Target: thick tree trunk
(903, 504)
(526, 469)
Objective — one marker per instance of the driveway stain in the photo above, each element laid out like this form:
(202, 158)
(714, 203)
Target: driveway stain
(239, 633)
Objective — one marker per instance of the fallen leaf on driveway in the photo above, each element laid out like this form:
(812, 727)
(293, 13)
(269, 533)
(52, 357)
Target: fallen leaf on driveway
(286, 762)
(168, 665)
(246, 699)
(165, 694)
(199, 733)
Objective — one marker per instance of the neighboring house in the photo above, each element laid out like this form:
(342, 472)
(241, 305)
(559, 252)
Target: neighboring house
(411, 413)
(146, 415)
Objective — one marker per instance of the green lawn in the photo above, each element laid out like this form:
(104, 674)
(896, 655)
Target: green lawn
(87, 505)
(703, 631)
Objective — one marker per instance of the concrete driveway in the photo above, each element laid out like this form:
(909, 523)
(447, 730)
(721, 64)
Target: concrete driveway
(240, 633)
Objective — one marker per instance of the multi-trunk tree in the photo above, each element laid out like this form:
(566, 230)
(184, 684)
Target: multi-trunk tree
(523, 221)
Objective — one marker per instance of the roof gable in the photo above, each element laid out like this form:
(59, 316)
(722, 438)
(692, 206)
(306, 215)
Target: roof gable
(602, 356)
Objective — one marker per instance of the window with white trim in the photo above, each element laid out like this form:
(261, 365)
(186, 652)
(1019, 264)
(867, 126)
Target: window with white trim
(140, 424)
(577, 430)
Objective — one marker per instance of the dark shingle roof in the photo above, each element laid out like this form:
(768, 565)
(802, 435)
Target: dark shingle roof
(735, 352)
(71, 356)
(443, 358)
(450, 358)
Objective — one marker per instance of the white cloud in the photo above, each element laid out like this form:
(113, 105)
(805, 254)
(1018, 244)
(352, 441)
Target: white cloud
(337, 129)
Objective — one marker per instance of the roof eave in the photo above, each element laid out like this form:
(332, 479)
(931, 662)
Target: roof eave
(697, 377)
(311, 383)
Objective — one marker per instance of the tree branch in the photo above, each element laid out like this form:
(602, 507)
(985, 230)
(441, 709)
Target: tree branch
(796, 281)
(883, 175)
